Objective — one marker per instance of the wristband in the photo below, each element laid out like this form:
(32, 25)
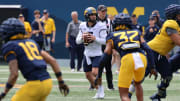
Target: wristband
(3, 95)
(58, 74)
(9, 86)
(61, 82)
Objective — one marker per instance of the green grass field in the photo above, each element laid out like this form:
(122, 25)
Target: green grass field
(79, 87)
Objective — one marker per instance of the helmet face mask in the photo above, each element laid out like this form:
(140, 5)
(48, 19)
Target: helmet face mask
(122, 22)
(11, 27)
(88, 14)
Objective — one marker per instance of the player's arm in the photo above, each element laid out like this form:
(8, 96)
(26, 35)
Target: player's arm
(174, 35)
(150, 57)
(13, 68)
(80, 37)
(102, 37)
(56, 68)
(103, 60)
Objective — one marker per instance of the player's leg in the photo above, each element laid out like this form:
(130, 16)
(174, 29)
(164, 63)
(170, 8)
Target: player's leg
(88, 73)
(175, 61)
(139, 72)
(164, 68)
(31, 91)
(125, 76)
(100, 89)
(47, 86)
(132, 86)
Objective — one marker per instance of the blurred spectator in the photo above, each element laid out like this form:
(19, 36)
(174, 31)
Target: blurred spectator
(102, 17)
(151, 30)
(49, 31)
(135, 24)
(37, 29)
(158, 20)
(75, 50)
(26, 25)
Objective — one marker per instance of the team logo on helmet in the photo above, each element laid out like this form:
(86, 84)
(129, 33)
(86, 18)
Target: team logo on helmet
(89, 11)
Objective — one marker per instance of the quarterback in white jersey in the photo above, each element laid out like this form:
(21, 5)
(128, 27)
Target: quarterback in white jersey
(93, 35)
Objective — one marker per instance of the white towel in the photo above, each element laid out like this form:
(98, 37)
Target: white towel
(137, 61)
(88, 60)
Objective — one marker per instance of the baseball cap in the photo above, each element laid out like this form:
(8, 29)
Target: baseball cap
(151, 17)
(21, 15)
(45, 11)
(102, 8)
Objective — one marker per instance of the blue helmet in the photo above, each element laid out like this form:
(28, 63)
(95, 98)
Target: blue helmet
(11, 27)
(89, 11)
(171, 11)
(122, 20)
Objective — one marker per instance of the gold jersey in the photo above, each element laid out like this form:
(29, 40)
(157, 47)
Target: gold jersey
(162, 42)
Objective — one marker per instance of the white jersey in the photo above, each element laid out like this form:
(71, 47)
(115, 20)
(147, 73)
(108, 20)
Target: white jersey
(108, 24)
(99, 30)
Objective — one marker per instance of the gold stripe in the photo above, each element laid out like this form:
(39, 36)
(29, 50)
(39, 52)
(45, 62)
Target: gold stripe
(112, 43)
(18, 36)
(10, 52)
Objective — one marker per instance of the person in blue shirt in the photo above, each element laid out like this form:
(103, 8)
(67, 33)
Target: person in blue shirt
(37, 29)
(151, 30)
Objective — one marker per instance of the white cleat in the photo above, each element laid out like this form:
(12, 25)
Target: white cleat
(102, 94)
(96, 96)
(72, 70)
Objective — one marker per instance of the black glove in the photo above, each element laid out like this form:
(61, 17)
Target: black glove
(153, 72)
(2, 96)
(64, 89)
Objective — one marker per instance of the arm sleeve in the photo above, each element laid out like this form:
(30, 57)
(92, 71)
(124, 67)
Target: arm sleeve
(150, 55)
(171, 31)
(102, 37)
(79, 39)
(53, 25)
(9, 52)
(68, 28)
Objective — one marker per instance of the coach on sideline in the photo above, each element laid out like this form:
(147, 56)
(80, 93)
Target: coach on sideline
(71, 34)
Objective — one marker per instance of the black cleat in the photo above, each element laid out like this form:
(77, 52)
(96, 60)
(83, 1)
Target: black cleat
(157, 97)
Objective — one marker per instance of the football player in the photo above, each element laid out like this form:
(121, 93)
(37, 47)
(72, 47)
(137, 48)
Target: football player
(130, 44)
(163, 43)
(25, 55)
(93, 35)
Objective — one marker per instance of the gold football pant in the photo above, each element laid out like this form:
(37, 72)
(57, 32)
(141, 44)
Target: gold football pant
(133, 67)
(33, 91)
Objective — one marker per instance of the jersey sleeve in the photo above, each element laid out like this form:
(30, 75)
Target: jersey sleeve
(9, 52)
(171, 24)
(53, 25)
(109, 37)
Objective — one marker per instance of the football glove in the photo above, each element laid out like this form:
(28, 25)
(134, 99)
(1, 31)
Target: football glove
(64, 89)
(153, 72)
